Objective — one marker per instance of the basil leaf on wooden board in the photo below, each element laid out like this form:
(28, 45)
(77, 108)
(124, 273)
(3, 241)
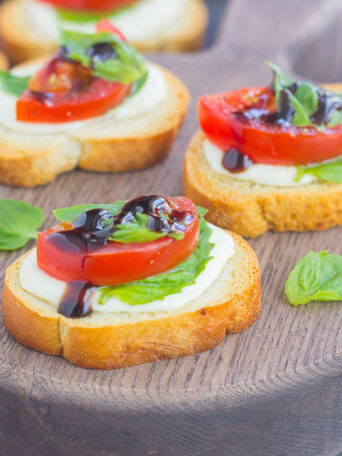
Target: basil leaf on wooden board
(329, 172)
(171, 282)
(15, 85)
(316, 277)
(126, 66)
(19, 223)
(71, 213)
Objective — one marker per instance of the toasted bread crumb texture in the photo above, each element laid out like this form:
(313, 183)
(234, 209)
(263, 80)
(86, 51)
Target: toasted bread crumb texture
(105, 144)
(21, 42)
(109, 341)
(251, 209)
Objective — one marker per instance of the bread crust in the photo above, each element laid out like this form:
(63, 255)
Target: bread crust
(21, 43)
(89, 344)
(3, 62)
(250, 209)
(26, 162)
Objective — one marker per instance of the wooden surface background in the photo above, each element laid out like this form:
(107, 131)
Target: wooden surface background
(274, 390)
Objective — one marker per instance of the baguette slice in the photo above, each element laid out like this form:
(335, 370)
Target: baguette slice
(22, 43)
(3, 62)
(105, 144)
(251, 209)
(110, 341)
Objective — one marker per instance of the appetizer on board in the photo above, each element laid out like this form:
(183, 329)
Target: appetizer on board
(96, 104)
(131, 282)
(269, 158)
(29, 28)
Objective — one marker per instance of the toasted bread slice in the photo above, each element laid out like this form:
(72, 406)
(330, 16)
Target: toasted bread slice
(22, 42)
(3, 62)
(252, 209)
(105, 144)
(109, 341)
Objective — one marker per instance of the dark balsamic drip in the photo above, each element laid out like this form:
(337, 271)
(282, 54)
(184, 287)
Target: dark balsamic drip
(91, 230)
(98, 53)
(101, 52)
(162, 215)
(328, 103)
(235, 161)
(286, 111)
(94, 228)
(76, 302)
(43, 97)
(63, 52)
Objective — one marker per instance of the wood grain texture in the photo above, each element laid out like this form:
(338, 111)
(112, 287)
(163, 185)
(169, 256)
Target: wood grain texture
(274, 390)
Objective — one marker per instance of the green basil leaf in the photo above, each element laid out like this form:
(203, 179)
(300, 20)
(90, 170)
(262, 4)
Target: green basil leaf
(304, 100)
(14, 85)
(301, 118)
(281, 81)
(336, 119)
(71, 213)
(81, 16)
(136, 231)
(201, 211)
(171, 282)
(138, 84)
(316, 277)
(19, 223)
(307, 97)
(329, 172)
(127, 67)
(117, 71)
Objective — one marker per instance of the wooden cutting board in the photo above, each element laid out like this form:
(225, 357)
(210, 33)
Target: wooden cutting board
(274, 390)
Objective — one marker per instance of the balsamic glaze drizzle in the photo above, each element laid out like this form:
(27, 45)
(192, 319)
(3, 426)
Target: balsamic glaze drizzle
(76, 301)
(328, 103)
(235, 161)
(101, 52)
(98, 53)
(162, 215)
(93, 229)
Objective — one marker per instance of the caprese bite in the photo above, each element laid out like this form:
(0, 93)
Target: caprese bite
(113, 110)
(130, 282)
(259, 140)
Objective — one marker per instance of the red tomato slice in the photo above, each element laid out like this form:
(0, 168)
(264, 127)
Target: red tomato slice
(106, 26)
(260, 141)
(89, 5)
(64, 91)
(116, 263)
